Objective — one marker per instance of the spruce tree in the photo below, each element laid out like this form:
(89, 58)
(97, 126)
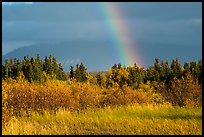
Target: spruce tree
(15, 69)
(80, 73)
(7, 68)
(61, 74)
(3, 71)
(71, 74)
(54, 66)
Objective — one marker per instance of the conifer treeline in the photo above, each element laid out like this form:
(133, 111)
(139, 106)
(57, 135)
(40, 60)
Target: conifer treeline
(159, 72)
(34, 69)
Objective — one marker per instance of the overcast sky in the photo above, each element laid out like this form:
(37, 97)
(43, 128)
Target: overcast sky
(170, 24)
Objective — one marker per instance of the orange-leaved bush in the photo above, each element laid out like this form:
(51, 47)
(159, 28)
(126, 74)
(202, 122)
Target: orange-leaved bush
(185, 92)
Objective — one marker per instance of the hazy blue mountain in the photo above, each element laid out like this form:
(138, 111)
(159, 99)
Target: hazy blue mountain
(101, 55)
(96, 56)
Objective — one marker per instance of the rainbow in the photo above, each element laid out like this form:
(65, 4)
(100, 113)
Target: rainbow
(120, 35)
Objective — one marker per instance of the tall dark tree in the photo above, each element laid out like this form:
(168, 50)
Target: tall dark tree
(30, 72)
(157, 65)
(80, 73)
(38, 57)
(7, 69)
(119, 65)
(200, 71)
(173, 69)
(54, 65)
(162, 73)
(186, 68)
(136, 76)
(15, 69)
(3, 71)
(99, 79)
(115, 73)
(178, 69)
(37, 69)
(193, 68)
(71, 75)
(61, 74)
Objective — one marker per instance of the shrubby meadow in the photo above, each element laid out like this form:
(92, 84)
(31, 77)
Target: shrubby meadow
(38, 97)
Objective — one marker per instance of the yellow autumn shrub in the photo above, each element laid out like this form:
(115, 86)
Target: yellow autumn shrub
(184, 92)
(20, 97)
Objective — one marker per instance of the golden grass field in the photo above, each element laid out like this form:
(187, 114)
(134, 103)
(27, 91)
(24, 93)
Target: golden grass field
(124, 120)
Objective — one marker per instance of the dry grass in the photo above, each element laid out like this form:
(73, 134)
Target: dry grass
(137, 119)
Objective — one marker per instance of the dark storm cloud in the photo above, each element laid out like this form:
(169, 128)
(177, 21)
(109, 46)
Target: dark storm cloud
(51, 22)
(162, 11)
(149, 23)
(70, 11)
(187, 32)
(52, 31)
(52, 11)
(41, 20)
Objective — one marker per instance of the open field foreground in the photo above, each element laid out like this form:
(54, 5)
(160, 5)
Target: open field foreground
(137, 119)
(119, 101)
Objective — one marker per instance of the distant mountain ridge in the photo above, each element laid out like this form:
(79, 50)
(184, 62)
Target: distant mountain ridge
(96, 56)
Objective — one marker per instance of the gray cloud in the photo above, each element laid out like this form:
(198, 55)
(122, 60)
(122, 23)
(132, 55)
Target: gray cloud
(187, 31)
(52, 11)
(53, 31)
(162, 11)
(148, 23)
(15, 3)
